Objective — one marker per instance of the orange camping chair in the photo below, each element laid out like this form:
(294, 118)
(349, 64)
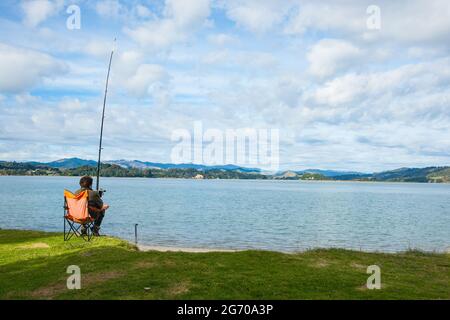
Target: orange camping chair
(76, 214)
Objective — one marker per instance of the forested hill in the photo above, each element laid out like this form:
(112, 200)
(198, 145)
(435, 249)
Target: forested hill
(429, 174)
(113, 170)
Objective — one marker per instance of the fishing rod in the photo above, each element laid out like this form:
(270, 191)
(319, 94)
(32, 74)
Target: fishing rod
(103, 119)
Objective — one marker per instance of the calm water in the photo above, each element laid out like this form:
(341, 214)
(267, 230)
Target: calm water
(276, 215)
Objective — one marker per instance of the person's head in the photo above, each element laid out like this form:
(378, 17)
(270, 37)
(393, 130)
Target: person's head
(86, 182)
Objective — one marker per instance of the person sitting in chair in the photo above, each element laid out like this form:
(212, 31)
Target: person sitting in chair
(96, 206)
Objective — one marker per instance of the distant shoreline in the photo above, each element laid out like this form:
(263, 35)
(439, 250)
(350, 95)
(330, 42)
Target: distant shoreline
(247, 179)
(161, 248)
(145, 246)
(79, 167)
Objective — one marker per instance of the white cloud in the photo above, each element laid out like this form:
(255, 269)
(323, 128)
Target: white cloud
(124, 11)
(143, 11)
(330, 55)
(407, 21)
(341, 90)
(97, 47)
(187, 13)
(109, 8)
(376, 100)
(334, 16)
(181, 18)
(395, 84)
(256, 60)
(22, 69)
(255, 15)
(140, 79)
(127, 62)
(416, 21)
(40, 129)
(37, 11)
(148, 79)
(156, 34)
(221, 39)
(366, 121)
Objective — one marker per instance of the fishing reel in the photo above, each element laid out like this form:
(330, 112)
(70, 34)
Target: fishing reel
(101, 192)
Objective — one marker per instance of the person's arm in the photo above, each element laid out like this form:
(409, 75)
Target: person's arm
(95, 200)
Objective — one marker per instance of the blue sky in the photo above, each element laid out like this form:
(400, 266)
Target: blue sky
(343, 95)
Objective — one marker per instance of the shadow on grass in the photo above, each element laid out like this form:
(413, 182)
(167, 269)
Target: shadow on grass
(19, 236)
(45, 277)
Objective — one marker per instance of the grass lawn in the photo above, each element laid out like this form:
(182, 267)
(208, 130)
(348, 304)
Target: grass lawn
(33, 266)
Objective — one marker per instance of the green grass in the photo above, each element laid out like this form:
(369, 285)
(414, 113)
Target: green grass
(33, 266)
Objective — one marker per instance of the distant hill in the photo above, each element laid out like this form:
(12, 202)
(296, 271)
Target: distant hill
(286, 175)
(429, 174)
(442, 175)
(113, 170)
(136, 168)
(156, 165)
(72, 163)
(329, 173)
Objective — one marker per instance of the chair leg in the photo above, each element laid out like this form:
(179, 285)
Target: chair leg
(91, 227)
(68, 232)
(73, 230)
(90, 232)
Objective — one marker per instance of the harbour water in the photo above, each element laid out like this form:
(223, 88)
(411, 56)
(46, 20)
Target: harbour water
(285, 216)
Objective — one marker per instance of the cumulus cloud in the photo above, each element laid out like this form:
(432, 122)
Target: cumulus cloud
(406, 21)
(254, 15)
(221, 39)
(403, 82)
(109, 8)
(37, 11)
(330, 55)
(255, 60)
(125, 11)
(396, 117)
(187, 14)
(142, 11)
(147, 79)
(156, 34)
(38, 129)
(22, 69)
(97, 47)
(372, 120)
(416, 21)
(180, 18)
(335, 16)
(141, 79)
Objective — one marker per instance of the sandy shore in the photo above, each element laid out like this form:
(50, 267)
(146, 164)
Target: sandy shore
(180, 249)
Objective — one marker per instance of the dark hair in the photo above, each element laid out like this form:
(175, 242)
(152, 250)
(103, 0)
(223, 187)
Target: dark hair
(86, 182)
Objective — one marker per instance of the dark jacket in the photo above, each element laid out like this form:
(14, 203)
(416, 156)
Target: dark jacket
(94, 198)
